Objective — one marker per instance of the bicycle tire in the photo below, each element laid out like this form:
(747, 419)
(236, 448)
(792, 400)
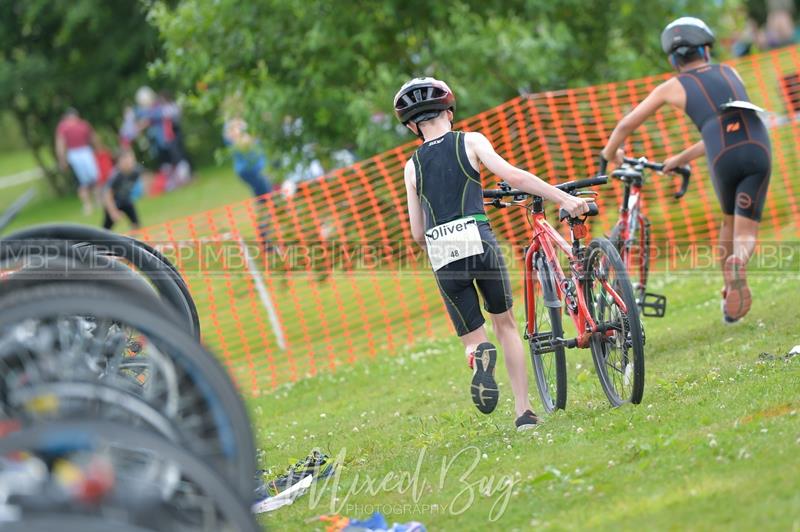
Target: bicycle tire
(630, 329)
(180, 281)
(200, 370)
(161, 273)
(549, 377)
(62, 264)
(642, 242)
(104, 433)
(70, 523)
(27, 264)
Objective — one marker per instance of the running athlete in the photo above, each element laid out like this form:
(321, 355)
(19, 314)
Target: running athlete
(734, 140)
(445, 207)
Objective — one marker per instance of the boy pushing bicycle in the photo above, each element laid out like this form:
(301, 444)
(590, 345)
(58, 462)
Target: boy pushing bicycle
(447, 217)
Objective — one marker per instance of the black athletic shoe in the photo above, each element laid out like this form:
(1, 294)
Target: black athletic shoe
(527, 420)
(484, 388)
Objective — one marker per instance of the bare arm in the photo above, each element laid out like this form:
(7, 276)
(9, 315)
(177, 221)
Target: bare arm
(686, 156)
(414, 208)
(519, 178)
(662, 94)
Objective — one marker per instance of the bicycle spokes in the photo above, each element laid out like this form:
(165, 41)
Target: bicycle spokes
(617, 346)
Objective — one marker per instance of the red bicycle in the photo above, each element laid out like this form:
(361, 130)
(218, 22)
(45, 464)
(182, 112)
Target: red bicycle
(631, 233)
(595, 292)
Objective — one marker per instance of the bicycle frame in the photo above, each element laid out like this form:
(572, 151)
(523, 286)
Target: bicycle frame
(547, 239)
(631, 219)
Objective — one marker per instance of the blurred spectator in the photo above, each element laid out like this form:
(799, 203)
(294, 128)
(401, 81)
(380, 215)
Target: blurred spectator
(75, 141)
(120, 191)
(308, 168)
(248, 156)
(105, 165)
(160, 118)
(128, 131)
(744, 42)
(778, 28)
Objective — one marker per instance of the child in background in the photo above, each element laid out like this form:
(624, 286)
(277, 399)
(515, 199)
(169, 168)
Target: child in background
(248, 157)
(105, 165)
(119, 192)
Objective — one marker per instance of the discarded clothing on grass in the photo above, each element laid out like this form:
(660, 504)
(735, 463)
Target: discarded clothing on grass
(284, 498)
(793, 353)
(375, 523)
(283, 490)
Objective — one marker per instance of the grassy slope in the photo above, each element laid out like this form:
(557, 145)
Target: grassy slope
(215, 186)
(715, 444)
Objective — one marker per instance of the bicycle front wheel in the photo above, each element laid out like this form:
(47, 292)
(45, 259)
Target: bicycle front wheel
(618, 350)
(547, 352)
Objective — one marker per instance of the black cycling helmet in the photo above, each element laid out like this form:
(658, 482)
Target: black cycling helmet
(685, 35)
(422, 99)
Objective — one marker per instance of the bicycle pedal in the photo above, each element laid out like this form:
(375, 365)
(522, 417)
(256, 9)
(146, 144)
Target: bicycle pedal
(653, 305)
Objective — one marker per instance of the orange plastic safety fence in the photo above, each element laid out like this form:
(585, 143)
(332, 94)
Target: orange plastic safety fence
(287, 288)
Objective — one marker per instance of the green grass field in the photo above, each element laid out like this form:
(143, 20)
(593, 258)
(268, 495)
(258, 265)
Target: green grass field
(715, 444)
(214, 186)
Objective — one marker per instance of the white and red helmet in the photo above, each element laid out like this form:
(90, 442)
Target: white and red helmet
(686, 34)
(422, 99)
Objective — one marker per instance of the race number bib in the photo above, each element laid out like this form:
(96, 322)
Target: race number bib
(453, 241)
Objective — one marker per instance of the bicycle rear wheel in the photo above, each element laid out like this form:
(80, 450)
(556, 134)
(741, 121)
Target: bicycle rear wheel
(618, 352)
(204, 501)
(58, 340)
(547, 353)
(155, 267)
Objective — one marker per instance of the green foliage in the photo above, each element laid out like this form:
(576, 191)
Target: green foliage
(337, 65)
(11, 138)
(89, 54)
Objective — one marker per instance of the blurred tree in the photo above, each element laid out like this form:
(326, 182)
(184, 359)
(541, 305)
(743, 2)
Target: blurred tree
(336, 65)
(89, 54)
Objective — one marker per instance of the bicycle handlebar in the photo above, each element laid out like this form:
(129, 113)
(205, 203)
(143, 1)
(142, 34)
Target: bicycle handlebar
(505, 191)
(563, 214)
(684, 171)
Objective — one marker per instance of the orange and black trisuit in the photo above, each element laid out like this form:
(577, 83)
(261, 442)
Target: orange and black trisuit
(736, 140)
(449, 189)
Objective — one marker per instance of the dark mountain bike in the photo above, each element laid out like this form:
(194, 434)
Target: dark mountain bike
(631, 233)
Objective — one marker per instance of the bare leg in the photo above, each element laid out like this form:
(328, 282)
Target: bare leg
(505, 327)
(745, 235)
(738, 298)
(472, 339)
(725, 248)
(725, 238)
(84, 193)
(97, 193)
